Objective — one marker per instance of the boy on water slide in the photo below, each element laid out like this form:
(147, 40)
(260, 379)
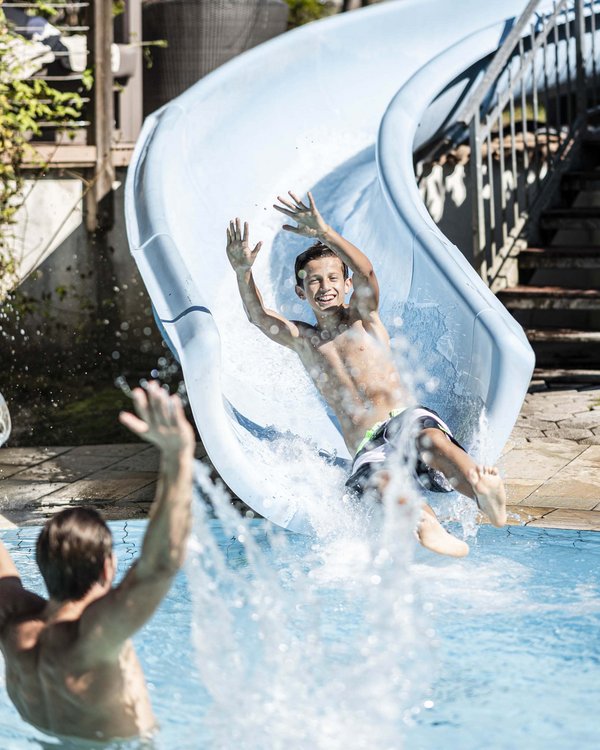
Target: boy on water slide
(347, 354)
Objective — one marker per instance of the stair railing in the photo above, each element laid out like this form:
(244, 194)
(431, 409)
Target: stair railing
(524, 119)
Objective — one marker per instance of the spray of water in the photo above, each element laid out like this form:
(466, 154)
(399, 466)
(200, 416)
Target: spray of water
(5, 423)
(309, 641)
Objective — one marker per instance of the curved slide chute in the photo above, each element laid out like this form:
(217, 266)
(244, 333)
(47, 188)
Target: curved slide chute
(336, 107)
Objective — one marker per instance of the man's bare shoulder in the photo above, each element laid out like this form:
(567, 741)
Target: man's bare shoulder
(18, 605)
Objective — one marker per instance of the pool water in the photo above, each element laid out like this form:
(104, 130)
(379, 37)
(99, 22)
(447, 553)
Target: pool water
(503, 649)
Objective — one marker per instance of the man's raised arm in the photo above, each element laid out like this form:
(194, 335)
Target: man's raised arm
(110, 620)
(275, 326)
(312, 224)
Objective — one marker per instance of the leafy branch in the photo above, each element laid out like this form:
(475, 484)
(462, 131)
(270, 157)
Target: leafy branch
(26, 103)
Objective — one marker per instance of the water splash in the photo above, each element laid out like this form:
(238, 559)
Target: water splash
(308, 641)
(5, 423)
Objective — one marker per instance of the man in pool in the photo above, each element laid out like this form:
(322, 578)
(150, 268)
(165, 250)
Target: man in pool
(71, 669)
(347, 354)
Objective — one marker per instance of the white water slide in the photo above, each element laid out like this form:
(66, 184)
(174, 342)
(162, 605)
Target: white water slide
(336, 107)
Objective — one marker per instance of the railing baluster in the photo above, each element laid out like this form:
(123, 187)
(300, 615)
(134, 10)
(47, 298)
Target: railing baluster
(581, 97)
(492, 203)
(513, 154)
(502, 170)
(570, 107)
(477, 223)
(537, 167)
(544, 77)
(593, 55)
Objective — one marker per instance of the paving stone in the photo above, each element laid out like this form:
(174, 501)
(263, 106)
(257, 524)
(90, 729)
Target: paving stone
(28, 456)
(581, 422)
(569, 434)
(10, 519)
(590, 457)
(147, 460)
(517, 491)
(552, 416)
(533, 423)
(15, 494)
(518, 515)
(6, 470)
(104, 485)
(594, 440)
(116, 450)
(142, 495)
(538, 464)
(569, 519)
(576, 486)
(525, 432)
(66, 468)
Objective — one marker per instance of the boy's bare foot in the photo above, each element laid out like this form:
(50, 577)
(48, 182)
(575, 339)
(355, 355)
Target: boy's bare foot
(489, 490)
(433, 536)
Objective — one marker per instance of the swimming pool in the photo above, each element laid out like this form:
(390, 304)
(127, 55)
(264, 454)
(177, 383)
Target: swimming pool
(501, 648)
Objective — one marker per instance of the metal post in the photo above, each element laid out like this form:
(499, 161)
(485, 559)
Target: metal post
(580, 57)
(103, 176)
(477, 218)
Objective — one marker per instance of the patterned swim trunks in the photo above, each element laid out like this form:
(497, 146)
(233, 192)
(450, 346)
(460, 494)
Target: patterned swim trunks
(395, 439)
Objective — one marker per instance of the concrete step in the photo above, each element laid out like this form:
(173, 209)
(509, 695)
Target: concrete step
(575, 217)
(560, 257)
(562, 336)
(562, 375)
(577, 181)
(523, 297)
(554, 347)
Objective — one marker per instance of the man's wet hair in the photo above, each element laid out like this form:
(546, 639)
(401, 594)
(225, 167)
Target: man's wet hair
(71, 550)
(318, 250)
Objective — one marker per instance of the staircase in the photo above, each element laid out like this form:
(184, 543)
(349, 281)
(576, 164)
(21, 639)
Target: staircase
(557, 299)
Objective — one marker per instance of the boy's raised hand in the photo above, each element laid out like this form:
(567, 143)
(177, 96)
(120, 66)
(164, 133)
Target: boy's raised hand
(310, 221)
(238, 250)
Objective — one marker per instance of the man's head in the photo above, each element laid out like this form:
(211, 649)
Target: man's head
(74, 551)
(321, 278)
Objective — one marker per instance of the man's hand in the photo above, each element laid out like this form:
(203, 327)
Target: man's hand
(238, 250)
(160, 420)
(310, 221)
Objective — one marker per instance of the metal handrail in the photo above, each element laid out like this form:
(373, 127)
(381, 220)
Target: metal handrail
(472, 105)
(523, 119)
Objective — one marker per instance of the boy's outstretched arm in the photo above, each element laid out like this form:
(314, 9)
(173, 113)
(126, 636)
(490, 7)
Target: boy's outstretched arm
(312, 224)
(242, 258)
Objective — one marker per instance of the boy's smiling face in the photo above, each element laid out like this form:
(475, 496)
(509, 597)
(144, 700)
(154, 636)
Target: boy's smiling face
(323, 284)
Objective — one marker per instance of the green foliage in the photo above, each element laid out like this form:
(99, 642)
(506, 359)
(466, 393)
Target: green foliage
(25, 103)
(118, 7)
(303, 11)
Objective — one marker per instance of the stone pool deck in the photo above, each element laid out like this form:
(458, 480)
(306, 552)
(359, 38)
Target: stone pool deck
(551, 466)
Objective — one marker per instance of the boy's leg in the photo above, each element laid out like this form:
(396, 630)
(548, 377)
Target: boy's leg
(481, 483)
(430, 532)
(433, 536)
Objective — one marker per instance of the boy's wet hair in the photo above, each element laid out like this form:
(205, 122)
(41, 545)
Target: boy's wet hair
(71, 550)
(318, 250)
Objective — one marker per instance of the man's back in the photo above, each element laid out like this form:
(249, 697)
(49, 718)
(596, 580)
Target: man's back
(70, 665)
(54, 686)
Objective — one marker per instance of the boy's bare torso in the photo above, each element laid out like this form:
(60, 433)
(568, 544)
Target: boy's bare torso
(352, 367)
(55, 688)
